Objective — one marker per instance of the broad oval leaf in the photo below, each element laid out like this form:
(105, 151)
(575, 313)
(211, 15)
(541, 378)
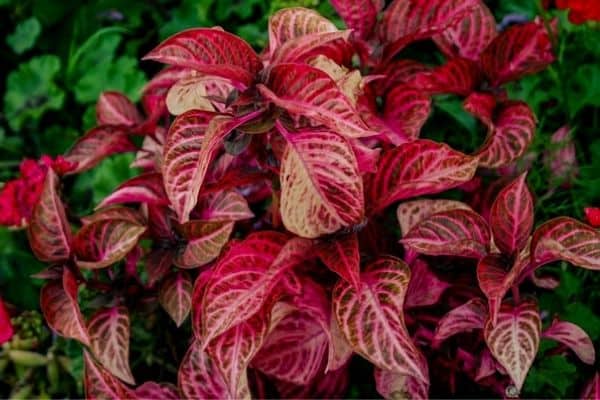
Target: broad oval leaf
(372, 320)
(342, 256)
(198, 377)
(566, 239)
(210, 51)
(290, 23)
(520, 50)
(406, 110)
(467, 317)
(321, 187)
(114, 108)
(105, 242)
(175, 296)
(358, 15)
(109, 339)
(49, 232)
(100, 383)
(515, 338)
(460, 233)
(146, 188)
(205, 242)
(574, 338)
(417, 168)
(412, 212)
(58, 301)
(395, 386)
(511, 216)
(306, 91)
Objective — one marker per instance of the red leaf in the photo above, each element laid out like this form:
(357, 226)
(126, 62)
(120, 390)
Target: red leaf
(149, 157)
(114, 108)
(397, 72)
(153, 390)
(175, 296)
(115, 213)
(342, 257)
(511, 216)
(359, 15)
(520, 50)
(461, 233)
(146, 188)
(424, 288)
(6, 328)
(481, 105)
(340, 350)
(97, 144)
(568, 240)
(291, 23)
(205, 242)
(372, 320)
(331, 194)
(223, 206)
(304, 47)
(573, 337)
(210, 51)
(158, 263)
(406, 110)
(418, 168)
(105, 242)
(395, 386)
(411, 213)
(515, 338)
(466, 317)
(469, 37)
(307, 91)
(100, 384)
(198, 377)
(494, 280)
(49, 232)
(458, 76)
(109, 334)
(331, 385)
(58, 301)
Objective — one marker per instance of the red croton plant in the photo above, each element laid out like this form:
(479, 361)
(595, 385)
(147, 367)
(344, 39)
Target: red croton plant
(265, 210)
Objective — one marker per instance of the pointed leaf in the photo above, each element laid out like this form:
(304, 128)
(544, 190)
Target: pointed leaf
(395, 386)
(331, 192)
(205, 242)
(372, 320)
(461, 233)
(198, 377)
(494, 280)
(158, 262)
(515, 338)
(223, 206)
(204, 92)
(342, 257)
(411, 213)
(49, 232)
(175, 296)
(466, 317)
(58, 301)
(109, 334)
(418, 168)
(568, 240)
(359, 15)
(424, 288)
(406, 110)
(291, 23)
(209, 51)
(146, 188)
(102, 243)
(100, 384)
(301, 48)
(457, 76)
(574, 338)
(397, 72)
(306, 91)
(114, 108)
(340, 350)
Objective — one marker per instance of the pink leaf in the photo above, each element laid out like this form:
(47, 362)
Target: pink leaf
(340, 350)
(359, 15)
(591, 390)
(573, 337)
(342, 257)
(153, 390)
(294, 22)
(149, 157)
(395, 386)
(411, 213)
(116, 212)
(100, 384)
(481, 105)
(175, 296)
(366, 157)
(460, 233)
(158, 263)
(515, 338)
(469, 37)
(58, 301)
(494, 280)
(306, 91)
(397, 72)
(224, 205)
(198, 377)
(424, 288)
(6, 328)
(331, 385)
(466, 317)
(105, 242)
(458, 76)
(114, 108)
(511, 216)
(209, 51)
(331, 193)
(109, 337)
(205, 242)
(568, 240)
(97, 144)
(418, 168)
(520, 50)
(406, 110)
(372, 320)
(146, 188)
(304, 47)
(49, 232)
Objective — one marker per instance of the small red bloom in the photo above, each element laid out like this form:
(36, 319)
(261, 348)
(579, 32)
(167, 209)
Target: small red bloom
(580, 11)
(6, 329)
(593, 216)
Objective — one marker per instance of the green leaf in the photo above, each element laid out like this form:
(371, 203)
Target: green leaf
(31, 91)
(190, 14)
(24, 36)
(584, 88)
(551, 376)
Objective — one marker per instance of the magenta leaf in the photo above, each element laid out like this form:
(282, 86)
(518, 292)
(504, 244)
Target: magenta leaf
(342, 257)
(359, 15)
(291, 23)
(458, 76)
(175, 296)
(461, 233)
(372, 320)
(412, 212)
(574, 338)
(424, 288)
(198, 377)
(331, 385)
(114, 108)
(592, 388)
(406, 110)
(223, 206)
(303, 47)
(101, 384)
(153, 390)
(116, 212)
(340, 350)
(392, 385)
(466, 317)
(205, 240)
(494, 280)
(146, 188)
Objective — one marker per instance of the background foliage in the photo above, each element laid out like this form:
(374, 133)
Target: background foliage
(58, 57)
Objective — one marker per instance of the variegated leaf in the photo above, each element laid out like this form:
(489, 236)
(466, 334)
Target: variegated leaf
(114, 108)
(406, 110)
(198, 377)
(566, 239)
(469, 316)
(293, 22)
(395, 386)
(342, 256)
(494, 277)
(424, 288)
(100, 384)
(412, 212)
(461, 233)
(146, 188)
(49, 232)
(458, 76)
(205, 240)
(175, 296)
(303, 47)
(418, 168)
(153, 390)
(318, 197)
(372, 320)
(359, 15)
(515, 338)
(574, 338)
(222, 206)
(331, 385)
(203, 92)
(340, 350)
(115, 212)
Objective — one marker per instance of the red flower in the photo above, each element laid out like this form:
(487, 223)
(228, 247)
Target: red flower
(593, 216)
(580, 10)
(6, 329)
(18, 196)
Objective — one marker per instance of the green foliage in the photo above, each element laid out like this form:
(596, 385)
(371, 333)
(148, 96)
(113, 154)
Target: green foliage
(24, 36)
